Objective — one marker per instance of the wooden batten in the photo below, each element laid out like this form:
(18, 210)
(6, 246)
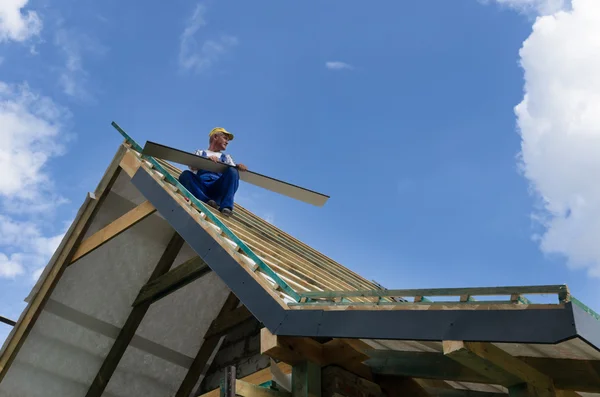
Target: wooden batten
(113, 229)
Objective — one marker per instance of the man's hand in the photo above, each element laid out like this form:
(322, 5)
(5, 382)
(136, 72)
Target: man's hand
(214, 158)
(242, 167)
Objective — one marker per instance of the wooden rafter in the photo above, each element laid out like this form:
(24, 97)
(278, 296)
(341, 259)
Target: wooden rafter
(132, 323)
(502, 368)
(170, 282)
(205, 352)
(112, 230)
(257, 378)
(59, 262)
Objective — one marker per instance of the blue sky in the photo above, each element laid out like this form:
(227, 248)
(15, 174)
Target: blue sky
(403, 112)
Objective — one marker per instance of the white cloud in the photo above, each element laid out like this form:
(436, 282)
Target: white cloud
(30, 136)
(17, 24)
(74, 79)
(559, 123)
(336, 65)
(540, 7)
(9, 268)
(32, 133)
(197, 54)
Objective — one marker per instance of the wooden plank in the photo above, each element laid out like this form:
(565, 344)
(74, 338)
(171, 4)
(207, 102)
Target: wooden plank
(477, 291)
(433, 392)
(58, 263)
(287, 189)
(257, 378)
(182, 275)
(498, 358)
(246, 389)
(306, 380)
(206, 350)
(132, 323)
(227, 321)
(7, 321)
(460, 352)
(113, 229)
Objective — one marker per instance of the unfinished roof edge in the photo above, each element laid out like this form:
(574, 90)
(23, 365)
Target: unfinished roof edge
(547, 325)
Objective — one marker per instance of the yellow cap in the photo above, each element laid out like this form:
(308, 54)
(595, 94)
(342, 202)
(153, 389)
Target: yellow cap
(223, 130)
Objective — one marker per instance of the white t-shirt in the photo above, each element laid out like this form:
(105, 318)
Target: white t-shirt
(223, 158)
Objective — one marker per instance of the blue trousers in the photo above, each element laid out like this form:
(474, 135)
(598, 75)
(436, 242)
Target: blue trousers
(211, 186)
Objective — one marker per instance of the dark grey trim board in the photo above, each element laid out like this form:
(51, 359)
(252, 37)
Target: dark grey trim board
(543, 325)
(275, 185)
(588, 326)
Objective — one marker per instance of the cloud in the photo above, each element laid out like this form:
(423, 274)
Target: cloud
(9, 268)
(30, 136)
(74, 79)
(559, 124)
(336, 65)
(539, 7)
(200, 55)
(16, 24)
(32, 133)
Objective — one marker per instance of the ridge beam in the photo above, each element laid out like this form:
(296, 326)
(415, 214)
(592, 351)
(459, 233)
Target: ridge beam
(113, 229)
(502, 368)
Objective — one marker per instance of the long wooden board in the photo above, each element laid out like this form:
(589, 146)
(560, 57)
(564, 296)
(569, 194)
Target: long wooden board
(287, 189)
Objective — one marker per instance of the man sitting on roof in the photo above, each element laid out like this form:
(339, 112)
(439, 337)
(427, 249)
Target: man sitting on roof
(213, 188)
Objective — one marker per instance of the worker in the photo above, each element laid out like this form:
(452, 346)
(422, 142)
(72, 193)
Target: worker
(215, 189)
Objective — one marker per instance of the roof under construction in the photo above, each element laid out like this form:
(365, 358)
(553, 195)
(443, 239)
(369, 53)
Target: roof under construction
(149, 283)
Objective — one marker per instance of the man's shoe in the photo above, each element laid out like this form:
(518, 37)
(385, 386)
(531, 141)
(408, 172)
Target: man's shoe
(226, 212)
(213, 204)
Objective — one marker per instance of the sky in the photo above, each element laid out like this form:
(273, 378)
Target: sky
(458, 140)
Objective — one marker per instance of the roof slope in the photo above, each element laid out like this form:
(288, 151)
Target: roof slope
(78, 307)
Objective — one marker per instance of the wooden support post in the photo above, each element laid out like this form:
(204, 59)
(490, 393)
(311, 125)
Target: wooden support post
(228, 385)
(306, 380)
(113, 229)
(170, 282)
(132, 323)
(206, 350)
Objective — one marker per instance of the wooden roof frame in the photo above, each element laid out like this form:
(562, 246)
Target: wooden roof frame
(466, 329)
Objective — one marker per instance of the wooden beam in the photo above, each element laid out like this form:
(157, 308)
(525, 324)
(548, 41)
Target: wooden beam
(182, 275)
(491, 361)
(306, 380)
(568, 374)
(434, 392)
(228, 321)
(246, 389)
(59, 262)
(112, 230)
(461, 352)
(206, 350)
(295, 350)
(7, 321)
(257, 378)
(132, 323)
